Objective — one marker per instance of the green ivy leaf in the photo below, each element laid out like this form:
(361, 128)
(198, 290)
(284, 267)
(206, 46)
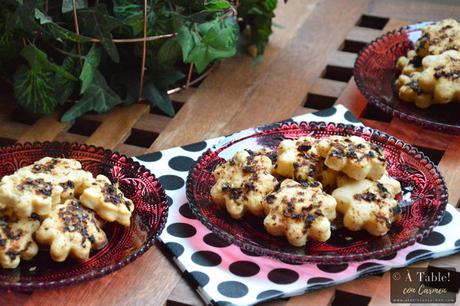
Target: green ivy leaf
(169, 53)
(92, 61)
(34, 90)
(65, 87)
(158, 98)
(133, 15)
(36, 58)
(98, 97)
(101, 24)
(210, 41)
(67, 5)
(217, 5)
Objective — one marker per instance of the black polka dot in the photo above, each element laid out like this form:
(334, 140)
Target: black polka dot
(350, 117)
(201, 278)
(420, 254)
(212, 240)
(186, 211)
(333, 268)
(171, 182)
(232, 289)
(181, 163)
(175, 248)
(434, 238)
(181, 230)
(244, 268)
(195, 147)
(269, 294)
(206, 258)
(326, 112)
(169, 200)
(283, 276)
(457, 243)
(319, 280)
(150, 157)
(369, 266)
(249, 253)
(389, 256)
(446, 218)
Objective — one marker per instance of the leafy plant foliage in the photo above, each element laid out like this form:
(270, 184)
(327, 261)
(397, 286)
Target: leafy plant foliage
(49, 62)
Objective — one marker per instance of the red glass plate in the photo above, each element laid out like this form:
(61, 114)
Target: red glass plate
(422, 202)
(124, 244)
(375, 74)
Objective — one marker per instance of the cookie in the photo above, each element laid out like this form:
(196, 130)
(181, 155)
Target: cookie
(301, 212)
(242, 182)
(441, 76)
(409, 90)
(438, 38)
(409, 63)
(354, 156)
(67, 173)
(367, 204)
(107, 201)
(16, 241)
(71, 230)
(298, 159)
(24, 195)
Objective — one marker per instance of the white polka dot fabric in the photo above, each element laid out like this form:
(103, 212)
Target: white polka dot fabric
(223, 274)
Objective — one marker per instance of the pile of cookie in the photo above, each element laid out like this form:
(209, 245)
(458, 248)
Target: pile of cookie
(299, 188)
(57, 204)
(430, 74)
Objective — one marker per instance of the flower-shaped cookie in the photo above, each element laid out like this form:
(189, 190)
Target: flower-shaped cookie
(410, 91)
(300, 212)
(439, 37)
(24, 195)
(16, 241)
(441, 76)
(353, 156)
(298, 159)
(107, 201)
(367, 204)
(242, 182)
(67, 173)
(409, 63)
(71, 230)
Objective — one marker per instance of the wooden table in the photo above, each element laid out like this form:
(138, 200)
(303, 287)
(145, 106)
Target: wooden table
(307, 67)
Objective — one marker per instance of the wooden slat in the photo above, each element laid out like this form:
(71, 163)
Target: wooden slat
(117, 126)
(450, 169)
(46, 128)
(304, 110)
(152, 122)
(129, 150)
(328, 88)
(13, 130)
(365, 35)
(342, 59)
(70, 137)
(320, 297)
(183, 292)
(352, 99)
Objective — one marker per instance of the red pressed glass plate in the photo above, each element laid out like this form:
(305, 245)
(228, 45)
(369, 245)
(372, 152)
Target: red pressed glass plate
(422, 202)
(375, 74)
(124, 244)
